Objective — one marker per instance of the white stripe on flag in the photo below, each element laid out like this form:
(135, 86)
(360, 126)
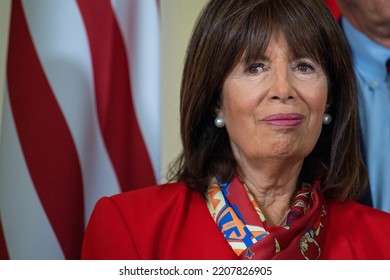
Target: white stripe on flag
(27, 230)
(62, 46)
(140, 28)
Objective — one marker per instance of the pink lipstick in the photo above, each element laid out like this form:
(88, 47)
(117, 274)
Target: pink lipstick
(286, 120)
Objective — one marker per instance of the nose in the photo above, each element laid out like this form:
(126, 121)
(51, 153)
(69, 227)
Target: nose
(281, 89)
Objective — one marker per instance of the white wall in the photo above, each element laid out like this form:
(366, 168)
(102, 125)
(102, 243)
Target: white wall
(177, 19)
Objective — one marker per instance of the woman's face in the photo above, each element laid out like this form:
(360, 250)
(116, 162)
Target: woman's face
(273, 107)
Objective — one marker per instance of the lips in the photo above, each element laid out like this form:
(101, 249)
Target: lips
(284, 120)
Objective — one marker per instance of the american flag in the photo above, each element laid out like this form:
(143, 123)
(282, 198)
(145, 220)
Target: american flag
(81, 118)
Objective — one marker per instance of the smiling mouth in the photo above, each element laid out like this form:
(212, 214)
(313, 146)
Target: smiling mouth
(283, 120)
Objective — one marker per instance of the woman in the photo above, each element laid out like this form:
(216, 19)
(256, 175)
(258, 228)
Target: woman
(271, 163)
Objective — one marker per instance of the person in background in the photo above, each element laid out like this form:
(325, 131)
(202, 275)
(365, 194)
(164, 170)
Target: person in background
(271, 161)
(366, 25)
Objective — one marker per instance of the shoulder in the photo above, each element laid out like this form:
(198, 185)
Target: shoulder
(157, 195)
(349, 211)
(137, 224)
(356, 231)
(152, 203)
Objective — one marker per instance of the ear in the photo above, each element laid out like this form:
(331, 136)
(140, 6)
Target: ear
(218, 112)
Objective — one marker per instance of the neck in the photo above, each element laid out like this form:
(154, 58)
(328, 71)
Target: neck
(379, 32)
(377, 35)
(273, 186)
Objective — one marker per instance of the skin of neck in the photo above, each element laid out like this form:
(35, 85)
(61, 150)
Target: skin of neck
(374, 26)
(273, 184)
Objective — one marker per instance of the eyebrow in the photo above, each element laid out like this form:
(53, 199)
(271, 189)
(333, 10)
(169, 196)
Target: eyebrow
(249, 59)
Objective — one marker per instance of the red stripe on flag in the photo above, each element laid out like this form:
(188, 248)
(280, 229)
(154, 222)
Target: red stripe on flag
(45, 139)
(3, 247)
(118, 122)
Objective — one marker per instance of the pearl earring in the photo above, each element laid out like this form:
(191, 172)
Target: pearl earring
(327, 119)
(219, 122)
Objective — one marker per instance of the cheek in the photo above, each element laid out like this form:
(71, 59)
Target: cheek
(317, 107)
(236, 109)
(234, 104)
(316, 98)
(239, 99)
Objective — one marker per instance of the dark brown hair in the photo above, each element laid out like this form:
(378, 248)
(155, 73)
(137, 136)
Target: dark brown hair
(229, 31)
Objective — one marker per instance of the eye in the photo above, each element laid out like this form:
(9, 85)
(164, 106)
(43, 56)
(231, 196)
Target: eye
(255, 68)
(304, 67)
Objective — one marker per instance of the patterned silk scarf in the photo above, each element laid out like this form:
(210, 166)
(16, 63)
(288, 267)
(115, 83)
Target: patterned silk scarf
(242, 223)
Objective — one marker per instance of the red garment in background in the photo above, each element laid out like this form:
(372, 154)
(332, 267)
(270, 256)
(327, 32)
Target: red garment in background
(333, 7)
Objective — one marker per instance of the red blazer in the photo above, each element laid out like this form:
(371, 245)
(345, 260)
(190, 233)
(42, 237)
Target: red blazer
(173, 222)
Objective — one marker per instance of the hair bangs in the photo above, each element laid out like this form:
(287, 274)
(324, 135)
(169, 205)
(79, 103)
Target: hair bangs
(308, 37)
(260, 27)
(273, 17)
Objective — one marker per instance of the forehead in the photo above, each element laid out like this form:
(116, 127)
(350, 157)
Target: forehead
(303, 40)
(277, 46)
